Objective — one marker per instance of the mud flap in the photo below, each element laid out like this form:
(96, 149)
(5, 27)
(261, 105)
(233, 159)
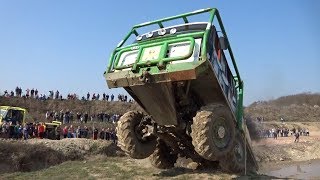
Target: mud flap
(251, 159)
(158, 101)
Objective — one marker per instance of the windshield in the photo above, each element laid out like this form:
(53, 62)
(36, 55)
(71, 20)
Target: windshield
(3, 112)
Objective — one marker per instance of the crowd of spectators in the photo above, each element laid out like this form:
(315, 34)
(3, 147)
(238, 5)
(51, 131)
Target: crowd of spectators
(108, 134)
(67, 117)
(34, 93)
(282, 131)
(26, 131)
(39, 130)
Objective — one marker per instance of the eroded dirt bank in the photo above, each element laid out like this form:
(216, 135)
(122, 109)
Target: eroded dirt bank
(97, 159)
(35, 154)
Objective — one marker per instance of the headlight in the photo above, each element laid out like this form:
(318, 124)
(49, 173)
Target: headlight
(149, 35)
(128, 58)
(162, 32)
(173, 30)
(151, 53)
(138, 38)
(179, 49)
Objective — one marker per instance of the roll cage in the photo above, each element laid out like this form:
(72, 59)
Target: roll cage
(205, 35)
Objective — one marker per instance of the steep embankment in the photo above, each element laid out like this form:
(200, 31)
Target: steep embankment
(36, 154)
(37, 108)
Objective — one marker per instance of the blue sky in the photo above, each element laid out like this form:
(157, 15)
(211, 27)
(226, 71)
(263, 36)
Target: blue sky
(65, 44)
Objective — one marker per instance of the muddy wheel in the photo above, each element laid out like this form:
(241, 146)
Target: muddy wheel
(133, 137)
(162, 157)
(234, 161)
(213, 131)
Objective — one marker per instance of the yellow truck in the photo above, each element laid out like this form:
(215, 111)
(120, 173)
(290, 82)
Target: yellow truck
(52, 130)
(12, 114)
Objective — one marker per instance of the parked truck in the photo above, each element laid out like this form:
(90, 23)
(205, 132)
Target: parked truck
(185, 78)
(15, 115)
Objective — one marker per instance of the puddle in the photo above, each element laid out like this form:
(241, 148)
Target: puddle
(301, 171)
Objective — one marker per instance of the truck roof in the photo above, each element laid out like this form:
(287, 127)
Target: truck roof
(12, 107)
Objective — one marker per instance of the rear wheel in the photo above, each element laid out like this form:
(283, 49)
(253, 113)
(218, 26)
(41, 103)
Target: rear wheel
(213, 131)
(162, 157)
(134, 135)
(234, 161)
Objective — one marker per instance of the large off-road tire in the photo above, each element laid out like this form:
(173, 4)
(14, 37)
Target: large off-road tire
(130, 136)
(162, 157)
(213, 131)
(234, 161)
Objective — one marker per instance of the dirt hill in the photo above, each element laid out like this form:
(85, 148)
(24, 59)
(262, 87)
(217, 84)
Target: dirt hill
(38, 108)
(299, 107)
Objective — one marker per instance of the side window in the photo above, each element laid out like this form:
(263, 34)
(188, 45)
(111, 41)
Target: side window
(9, 115)
(217, 47)
(19, 116)
(210, 47)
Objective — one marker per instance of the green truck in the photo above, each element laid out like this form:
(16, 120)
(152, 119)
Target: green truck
(192, 97)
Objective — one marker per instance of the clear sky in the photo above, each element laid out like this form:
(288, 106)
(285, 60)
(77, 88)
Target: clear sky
(66, 44)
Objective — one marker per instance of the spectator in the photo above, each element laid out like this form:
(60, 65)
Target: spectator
(56, 116)
(86, 117)
(108, 134)
(78, 116)
(88, 96)
(70, 117)
(71, 132)
(113, 136)
(36, 92)
(32, 93)
(92, 117)
(78, 132)
(65, 118)
(28, 91)
(112, 97)
(57, 94)
(85, 132)
(17, 91)
(275, 135)
(102, 134)
(47, 115)
(25, 132)
(65, 131)
(51, 94)
(297, 135)
(16, 131)
(95, 133)
(35, 130)
(20, 132)
(41, 130)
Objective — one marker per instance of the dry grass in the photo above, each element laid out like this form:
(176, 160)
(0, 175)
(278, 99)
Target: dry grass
(300, 108)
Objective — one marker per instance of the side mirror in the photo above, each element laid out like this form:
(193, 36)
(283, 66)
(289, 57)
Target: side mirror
(223, 43)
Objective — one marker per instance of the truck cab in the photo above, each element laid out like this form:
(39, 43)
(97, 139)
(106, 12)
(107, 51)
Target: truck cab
(13, 115)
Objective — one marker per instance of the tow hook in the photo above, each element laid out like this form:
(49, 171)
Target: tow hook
(145, 77)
